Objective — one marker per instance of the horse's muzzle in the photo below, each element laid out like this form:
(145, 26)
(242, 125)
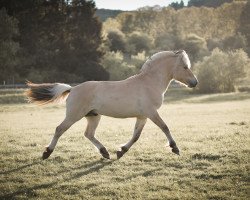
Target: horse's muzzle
(192, 83)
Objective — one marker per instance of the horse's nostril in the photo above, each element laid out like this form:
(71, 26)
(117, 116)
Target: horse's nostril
(193, 83)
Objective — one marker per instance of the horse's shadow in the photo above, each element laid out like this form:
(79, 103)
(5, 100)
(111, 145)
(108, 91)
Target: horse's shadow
(91, 168)
(36, 162)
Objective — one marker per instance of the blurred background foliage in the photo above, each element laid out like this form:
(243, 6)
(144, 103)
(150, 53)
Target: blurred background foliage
(72, 41)
(215, 34)
(50, 40)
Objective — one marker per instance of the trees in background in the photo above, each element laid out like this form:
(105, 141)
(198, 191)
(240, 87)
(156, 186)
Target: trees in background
(116, 41)
(220, 71)
(104, 14)
(217, 37)
(9, 48)
(244, 25)
(139, 42)
(177, 5)
(207, 3)
(195, 46)
(60, 40)
(237, 41)
(117, 66)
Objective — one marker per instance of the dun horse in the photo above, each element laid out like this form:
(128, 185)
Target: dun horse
(139, 96)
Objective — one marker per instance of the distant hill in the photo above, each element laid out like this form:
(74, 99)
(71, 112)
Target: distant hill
(103, 14)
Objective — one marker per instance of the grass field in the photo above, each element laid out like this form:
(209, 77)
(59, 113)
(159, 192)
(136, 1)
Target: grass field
(212, 132)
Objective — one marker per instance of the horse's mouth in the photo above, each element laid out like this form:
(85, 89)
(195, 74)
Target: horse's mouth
(191, 86)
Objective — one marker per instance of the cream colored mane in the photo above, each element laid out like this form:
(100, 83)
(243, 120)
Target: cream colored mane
(165, 54)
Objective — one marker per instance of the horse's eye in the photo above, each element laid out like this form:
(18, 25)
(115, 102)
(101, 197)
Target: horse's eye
(185, 67)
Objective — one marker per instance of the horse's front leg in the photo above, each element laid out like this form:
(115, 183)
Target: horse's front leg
(137, 132)
(93, 122)
(155, 117)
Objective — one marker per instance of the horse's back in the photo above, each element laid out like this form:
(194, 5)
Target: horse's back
(111, 98)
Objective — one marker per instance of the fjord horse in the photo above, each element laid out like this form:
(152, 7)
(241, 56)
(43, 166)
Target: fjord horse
(139, 96)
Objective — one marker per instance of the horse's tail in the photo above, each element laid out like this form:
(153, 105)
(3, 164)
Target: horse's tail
(47, 92)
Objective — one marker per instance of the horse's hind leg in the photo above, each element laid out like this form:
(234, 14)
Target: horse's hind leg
(65, 125)
(93, 122)
(137, 132)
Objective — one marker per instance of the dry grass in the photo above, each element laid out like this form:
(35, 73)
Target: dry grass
(12, 96)
(214, 164)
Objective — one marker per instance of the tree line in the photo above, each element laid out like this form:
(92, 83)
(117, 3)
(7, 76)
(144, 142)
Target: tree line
(199, 3)
(65, 41)
(50, 40)
(204, 32)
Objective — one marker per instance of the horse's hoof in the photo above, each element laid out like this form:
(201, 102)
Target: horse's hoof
(104, 153)
(122, 152)
(119, 154)
(176, 150)
(47, 153)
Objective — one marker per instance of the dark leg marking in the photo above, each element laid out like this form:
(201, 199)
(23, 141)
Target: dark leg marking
(172, 143)
(161, 124)
(122, 152)
(104, 153)
(47, 153)
(174, 148)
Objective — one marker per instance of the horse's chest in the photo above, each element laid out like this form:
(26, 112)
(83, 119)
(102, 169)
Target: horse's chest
(156, 101)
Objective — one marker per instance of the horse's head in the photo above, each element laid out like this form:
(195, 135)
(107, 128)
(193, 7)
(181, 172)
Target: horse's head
(182, 71)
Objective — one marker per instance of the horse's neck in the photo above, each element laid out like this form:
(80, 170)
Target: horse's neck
(159, 77)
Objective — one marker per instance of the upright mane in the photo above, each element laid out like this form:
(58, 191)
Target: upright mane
(164, 54)
(157, 56)
(185, 58)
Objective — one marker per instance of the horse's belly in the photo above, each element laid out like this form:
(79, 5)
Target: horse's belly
(120, 102)
(119, 109)
(118, 113)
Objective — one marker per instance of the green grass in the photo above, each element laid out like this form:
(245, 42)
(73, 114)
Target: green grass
(212, 132)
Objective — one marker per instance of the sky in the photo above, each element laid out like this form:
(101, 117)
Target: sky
(132, 4)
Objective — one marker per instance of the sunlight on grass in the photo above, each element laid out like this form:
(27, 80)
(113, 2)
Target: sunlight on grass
(214, 162)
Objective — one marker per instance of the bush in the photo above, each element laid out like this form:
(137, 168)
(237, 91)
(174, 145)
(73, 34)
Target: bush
(139, 42)
(116, 40)
(118, 69)
(195, 46)
(237, 41)
(213, 43)
(244, 89)
(220, 71)
(138, 60)
(166, 42)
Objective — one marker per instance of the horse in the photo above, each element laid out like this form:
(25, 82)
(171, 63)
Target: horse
(139, 96)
